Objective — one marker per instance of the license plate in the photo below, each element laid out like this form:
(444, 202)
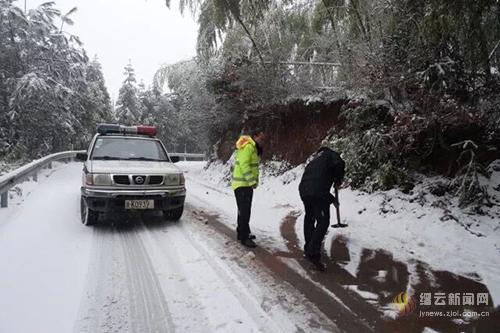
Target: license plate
(139, 204)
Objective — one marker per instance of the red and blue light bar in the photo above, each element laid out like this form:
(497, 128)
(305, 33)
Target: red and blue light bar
(116, 128)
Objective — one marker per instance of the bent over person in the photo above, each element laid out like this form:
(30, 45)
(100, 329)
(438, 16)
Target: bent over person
(325, 169)
(245, 180)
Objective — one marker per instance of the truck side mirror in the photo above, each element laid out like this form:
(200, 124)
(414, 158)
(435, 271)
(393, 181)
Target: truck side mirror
(81, 157)
(175, 159)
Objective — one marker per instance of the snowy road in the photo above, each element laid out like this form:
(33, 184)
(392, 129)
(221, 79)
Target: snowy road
(144, 276)
(139, 273)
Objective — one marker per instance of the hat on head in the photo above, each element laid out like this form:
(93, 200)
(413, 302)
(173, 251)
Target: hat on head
(327, 142)
(252, 131)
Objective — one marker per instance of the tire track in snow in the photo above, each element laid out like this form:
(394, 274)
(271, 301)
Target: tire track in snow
(217, 284)
(188, 311)
(331, 306)
(105, 307)
(279, 299)
(149, 311)
(237, 288)
(123, 292)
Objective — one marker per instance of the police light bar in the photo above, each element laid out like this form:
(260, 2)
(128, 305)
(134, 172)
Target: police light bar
(115, 128)
(147, 130)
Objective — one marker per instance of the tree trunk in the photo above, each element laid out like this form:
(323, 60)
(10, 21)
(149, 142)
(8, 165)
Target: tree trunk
(240, 21)
(251, 38)
(355, 8)
(332, 21)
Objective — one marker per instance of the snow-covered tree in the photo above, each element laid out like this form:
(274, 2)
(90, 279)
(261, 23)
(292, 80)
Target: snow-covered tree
(427, 71)
(128, 106)
(193, 115)
(49, 100)
(98, 103)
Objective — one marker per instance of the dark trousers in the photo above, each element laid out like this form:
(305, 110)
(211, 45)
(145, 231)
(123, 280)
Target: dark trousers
(244, 201)
(316, 222)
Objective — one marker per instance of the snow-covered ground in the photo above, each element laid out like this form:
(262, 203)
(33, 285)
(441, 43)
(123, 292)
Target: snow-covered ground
(44, 254)
(418, 227)
(146, 276)
(59, 276)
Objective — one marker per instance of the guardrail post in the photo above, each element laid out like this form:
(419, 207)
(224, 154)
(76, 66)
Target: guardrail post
(35, 176)
(49, 165)
(4, 199)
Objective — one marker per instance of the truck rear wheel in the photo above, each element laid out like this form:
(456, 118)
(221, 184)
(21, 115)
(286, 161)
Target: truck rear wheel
(88, 216)
(174, 214)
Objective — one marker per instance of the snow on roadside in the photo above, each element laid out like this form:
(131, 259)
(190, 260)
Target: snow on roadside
(418, 226)
(44, 254)
(20, 192)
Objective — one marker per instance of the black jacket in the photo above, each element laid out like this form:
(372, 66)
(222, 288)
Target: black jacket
(323, 170)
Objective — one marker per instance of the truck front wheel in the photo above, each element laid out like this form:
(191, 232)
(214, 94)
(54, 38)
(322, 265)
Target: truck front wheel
(88, 216)
(174, 214)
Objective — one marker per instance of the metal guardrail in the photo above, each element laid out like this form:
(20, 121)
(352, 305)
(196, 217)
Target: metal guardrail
(19, 175)
(30, 170)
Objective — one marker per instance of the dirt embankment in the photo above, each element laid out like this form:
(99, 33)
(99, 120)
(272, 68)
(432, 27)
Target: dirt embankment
(293, 131)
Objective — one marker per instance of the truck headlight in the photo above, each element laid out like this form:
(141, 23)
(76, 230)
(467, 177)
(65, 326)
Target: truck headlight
(172, 179)
(100, 179)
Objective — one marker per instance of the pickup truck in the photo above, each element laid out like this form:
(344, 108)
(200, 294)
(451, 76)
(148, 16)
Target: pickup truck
(126, 168)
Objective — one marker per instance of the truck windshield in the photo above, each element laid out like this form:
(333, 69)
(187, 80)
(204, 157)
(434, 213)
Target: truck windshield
(107, 148)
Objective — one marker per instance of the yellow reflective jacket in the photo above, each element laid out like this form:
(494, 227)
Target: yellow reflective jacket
(246, 166)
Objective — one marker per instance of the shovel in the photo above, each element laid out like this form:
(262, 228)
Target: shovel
(337, 207)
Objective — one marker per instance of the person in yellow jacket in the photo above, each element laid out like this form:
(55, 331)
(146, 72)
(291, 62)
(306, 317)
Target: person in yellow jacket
(245, 179)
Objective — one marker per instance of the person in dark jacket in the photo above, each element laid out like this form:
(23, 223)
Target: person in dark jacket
(324, 170)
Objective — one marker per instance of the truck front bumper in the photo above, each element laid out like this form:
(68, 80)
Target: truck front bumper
(114, 200)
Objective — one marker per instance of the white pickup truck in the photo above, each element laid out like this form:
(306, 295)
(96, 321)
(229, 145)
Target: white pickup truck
(127, 168)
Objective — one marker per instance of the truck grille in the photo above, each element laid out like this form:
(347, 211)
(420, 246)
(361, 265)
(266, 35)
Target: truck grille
(138, 180)
(155, 180)
(121, 179)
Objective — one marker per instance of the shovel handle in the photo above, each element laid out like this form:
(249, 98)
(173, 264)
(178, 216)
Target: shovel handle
(337, 207)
